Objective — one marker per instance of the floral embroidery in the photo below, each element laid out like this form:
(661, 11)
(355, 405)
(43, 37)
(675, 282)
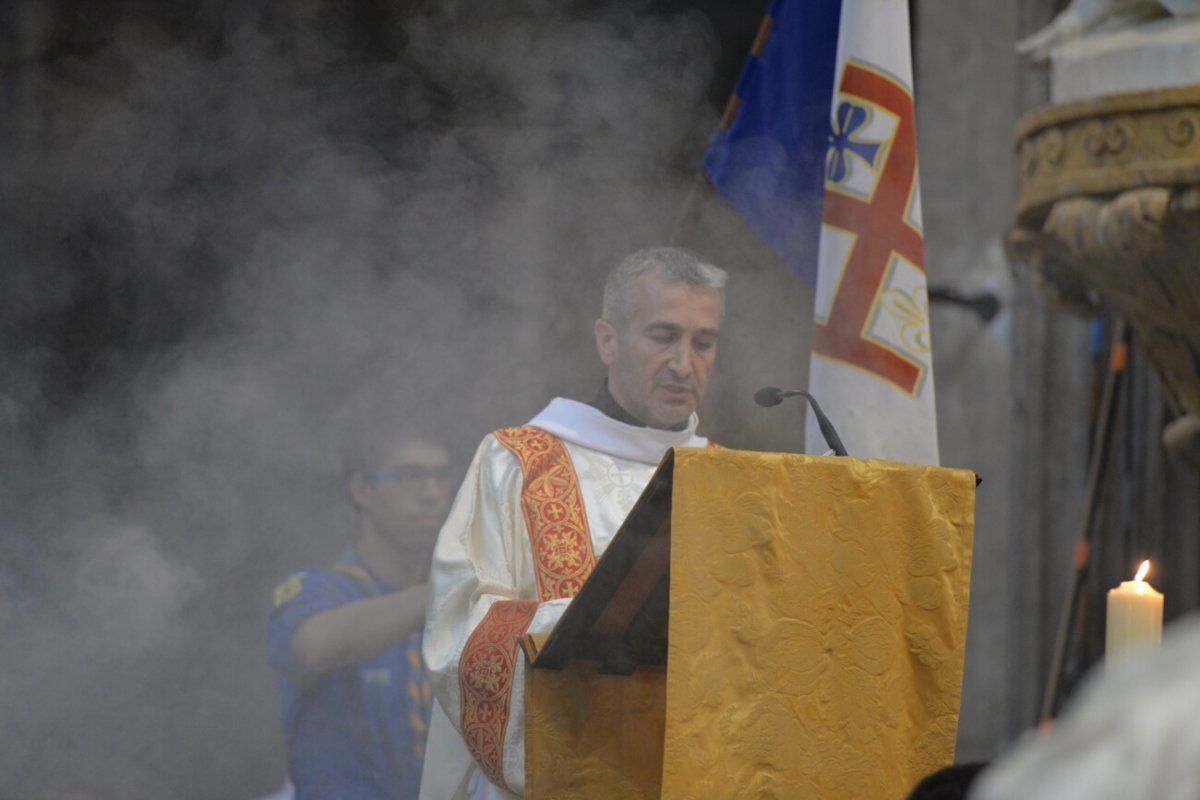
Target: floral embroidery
(554, 512)
(485, 677)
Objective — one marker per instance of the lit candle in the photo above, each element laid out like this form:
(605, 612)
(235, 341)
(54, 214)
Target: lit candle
(1134, 615)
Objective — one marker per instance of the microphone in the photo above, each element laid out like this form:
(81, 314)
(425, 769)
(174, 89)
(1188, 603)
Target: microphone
(770, 396)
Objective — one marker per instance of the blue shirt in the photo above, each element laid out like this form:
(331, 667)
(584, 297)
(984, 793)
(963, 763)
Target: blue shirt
(356, 733)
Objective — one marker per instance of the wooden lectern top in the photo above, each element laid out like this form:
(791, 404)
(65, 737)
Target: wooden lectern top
(619, 617)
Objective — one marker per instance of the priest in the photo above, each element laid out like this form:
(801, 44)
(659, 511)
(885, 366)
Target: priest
(541, 502)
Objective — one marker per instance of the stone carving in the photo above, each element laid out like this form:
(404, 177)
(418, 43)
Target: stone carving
(1109, 205)
(1082, 16)
(1053, 270)
(1099, 147)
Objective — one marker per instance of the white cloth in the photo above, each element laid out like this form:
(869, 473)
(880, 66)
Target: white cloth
(1131, 732)
(483, 555)
(586, 426)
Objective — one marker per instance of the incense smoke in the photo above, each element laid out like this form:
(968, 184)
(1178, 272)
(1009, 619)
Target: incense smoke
(229, 230)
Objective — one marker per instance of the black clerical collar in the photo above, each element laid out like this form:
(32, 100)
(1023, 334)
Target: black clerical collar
(605, 402)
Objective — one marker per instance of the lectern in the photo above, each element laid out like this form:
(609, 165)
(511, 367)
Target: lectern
(762, 625)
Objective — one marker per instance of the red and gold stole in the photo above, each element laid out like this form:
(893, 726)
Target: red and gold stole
(561, 541)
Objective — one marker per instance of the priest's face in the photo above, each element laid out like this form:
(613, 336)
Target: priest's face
(659, 361)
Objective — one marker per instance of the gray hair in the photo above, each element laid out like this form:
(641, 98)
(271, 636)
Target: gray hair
(672, 264)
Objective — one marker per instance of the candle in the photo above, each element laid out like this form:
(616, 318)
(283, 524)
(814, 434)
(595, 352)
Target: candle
(1134, 615)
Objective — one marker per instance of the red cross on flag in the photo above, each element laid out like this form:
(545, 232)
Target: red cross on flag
(872, 367)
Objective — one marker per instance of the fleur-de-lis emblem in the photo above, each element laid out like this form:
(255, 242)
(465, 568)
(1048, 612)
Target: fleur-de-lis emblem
(849, 119)
(912, 312)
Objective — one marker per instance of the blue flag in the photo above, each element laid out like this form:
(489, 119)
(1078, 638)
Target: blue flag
(768, 157)
(818, 151)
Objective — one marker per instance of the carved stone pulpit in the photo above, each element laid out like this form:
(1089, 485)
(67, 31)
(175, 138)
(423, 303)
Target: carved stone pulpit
(1109, 197)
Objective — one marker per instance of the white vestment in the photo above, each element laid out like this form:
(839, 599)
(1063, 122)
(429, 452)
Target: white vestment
(483, 555)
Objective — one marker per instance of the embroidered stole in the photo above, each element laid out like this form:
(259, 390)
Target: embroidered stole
(561, 542)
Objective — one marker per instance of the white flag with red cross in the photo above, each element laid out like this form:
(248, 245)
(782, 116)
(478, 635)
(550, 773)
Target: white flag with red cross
(872, 367)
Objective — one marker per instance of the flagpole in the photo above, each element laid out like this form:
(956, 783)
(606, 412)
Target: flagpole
(701, 188)
(1096, 469)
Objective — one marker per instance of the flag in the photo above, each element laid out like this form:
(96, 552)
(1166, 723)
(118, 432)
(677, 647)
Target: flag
(768, 155)
(871, 365)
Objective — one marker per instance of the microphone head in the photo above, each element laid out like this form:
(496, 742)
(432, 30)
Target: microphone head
(768, 396)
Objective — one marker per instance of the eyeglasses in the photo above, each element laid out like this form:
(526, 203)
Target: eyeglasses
(412, 475)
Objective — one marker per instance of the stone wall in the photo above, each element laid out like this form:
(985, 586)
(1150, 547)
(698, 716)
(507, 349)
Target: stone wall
(1017, 397)
(998, 383)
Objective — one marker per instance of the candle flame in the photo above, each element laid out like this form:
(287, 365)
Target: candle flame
(1143, 570)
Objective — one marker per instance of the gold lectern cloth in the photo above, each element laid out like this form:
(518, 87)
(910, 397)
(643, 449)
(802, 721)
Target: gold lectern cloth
(817, 625)
(818, 615)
